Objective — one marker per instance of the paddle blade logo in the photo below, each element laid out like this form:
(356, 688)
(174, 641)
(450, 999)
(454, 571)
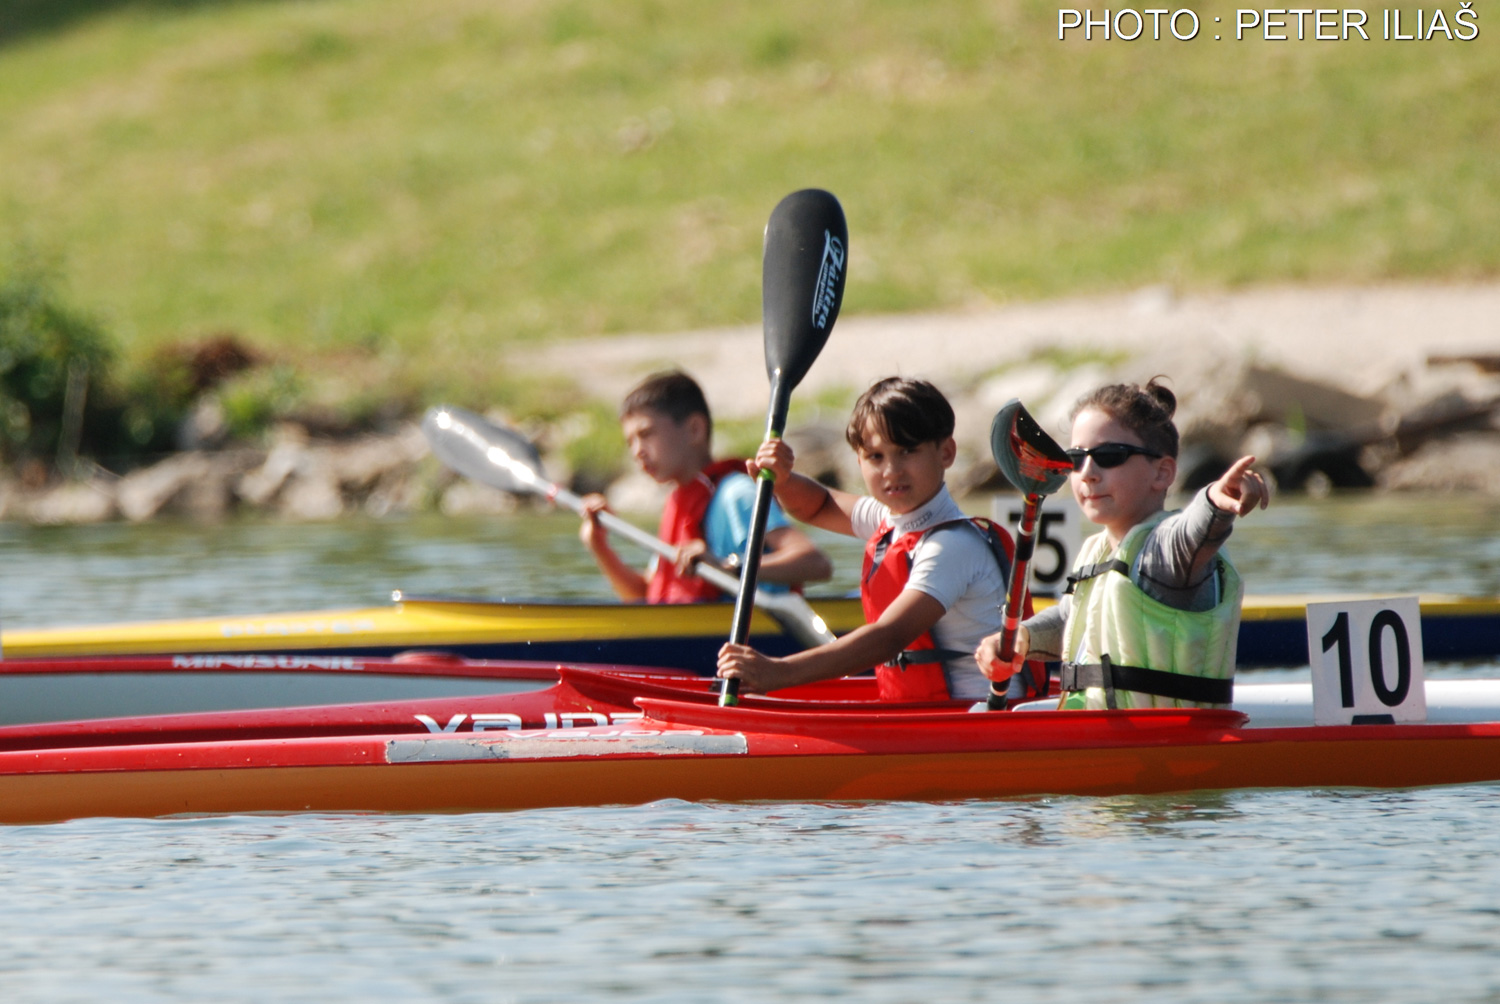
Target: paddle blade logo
(825, 291)
(1036, 465)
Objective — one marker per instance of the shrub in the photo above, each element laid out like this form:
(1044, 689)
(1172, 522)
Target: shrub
(51, 358)
(257, 398)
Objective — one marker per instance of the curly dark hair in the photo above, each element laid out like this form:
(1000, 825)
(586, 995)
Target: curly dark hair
(1146, 411)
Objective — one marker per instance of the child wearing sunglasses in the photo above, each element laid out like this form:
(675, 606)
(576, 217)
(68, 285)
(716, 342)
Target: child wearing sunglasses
(934, 579)
(1152, 614)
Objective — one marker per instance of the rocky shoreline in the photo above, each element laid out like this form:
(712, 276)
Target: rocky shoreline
(1396, 388)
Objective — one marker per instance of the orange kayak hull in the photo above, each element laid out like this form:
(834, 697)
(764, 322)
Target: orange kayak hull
(680, 751)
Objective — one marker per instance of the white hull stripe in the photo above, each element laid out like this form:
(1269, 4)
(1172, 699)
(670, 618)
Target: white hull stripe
(548, 747)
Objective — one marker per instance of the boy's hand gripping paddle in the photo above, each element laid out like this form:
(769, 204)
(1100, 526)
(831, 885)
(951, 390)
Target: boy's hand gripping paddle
(802, 288)
(1033, 462)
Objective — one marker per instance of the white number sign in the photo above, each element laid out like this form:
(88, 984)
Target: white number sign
(1059, 535)
(1367, 661)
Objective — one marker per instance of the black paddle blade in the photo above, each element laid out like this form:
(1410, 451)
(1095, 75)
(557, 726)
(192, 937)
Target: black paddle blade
(481, 450)
(1028, 457)
(802, 281)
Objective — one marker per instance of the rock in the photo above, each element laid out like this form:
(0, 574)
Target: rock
(1035, 384)
(635, 492)
(1419, 388)
(259, 486)
(824, 455)
(1290, 399)
(144, 493)
(75, 502)
(465, 498)
(359, 465)
(1463, 463)
(312, 495)
(316, 481)
(1485, 362)
(1198, 464)
(190, 484)
(1327, 459)
(211, 496)
(395, 494)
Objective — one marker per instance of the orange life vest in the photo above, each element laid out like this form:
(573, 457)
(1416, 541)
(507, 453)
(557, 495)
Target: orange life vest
(682, 521)
(916, 674)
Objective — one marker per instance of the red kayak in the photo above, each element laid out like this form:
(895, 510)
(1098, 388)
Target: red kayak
(59, 690)
(698, 751)
(74, 689)
(559, 697)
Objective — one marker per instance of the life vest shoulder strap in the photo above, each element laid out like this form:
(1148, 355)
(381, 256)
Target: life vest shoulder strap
(1095, 570)
(995, 538)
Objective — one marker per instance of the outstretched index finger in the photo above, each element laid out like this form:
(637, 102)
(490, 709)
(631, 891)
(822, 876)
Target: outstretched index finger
(1237, 469)
(1240, 490)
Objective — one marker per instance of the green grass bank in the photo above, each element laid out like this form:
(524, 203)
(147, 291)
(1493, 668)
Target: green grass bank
(386, 195)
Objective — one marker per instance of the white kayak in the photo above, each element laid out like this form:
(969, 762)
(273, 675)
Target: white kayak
(1277, 705)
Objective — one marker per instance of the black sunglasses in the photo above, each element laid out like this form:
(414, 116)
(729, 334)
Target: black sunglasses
(1109, 455)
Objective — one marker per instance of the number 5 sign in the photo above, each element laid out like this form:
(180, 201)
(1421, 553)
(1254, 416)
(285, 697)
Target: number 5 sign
(1059, 534)
(1366, 661)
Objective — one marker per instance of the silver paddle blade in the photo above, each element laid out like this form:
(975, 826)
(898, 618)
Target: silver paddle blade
(482, 451)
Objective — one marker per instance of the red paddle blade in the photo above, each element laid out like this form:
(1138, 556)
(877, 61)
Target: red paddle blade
(1028, 457)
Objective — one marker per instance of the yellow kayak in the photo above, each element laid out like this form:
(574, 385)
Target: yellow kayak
(683, 636)
(1273, 631)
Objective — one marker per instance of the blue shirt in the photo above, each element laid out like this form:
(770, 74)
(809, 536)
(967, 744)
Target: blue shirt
(726, 525)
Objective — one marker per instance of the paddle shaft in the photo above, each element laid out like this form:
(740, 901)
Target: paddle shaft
(765, 487)
(1015, 600)
(802, 288)
(713, 575)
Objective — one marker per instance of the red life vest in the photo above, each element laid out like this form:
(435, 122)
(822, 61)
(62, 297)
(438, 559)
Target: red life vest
(682, 521)
(916, 674)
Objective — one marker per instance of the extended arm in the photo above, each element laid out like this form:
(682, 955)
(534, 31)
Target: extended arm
(1176, 565)
(803, 498)
(912, 613)
(628, 584)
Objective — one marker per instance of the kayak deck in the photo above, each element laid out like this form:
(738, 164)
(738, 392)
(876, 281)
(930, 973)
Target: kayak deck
(689, 751)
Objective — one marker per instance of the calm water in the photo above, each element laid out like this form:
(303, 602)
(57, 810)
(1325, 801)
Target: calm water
(1246, 896)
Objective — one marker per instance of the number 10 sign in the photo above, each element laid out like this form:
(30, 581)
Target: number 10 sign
(1366, 661)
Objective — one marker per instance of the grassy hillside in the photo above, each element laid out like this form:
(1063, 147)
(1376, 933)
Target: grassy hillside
(407, 187)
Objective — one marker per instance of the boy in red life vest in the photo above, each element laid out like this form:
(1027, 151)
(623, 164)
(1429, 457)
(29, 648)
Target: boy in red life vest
(934, 579)
(707, 517)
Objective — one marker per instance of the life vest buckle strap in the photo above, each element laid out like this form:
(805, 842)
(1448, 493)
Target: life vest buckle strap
(1096, 569)
(1175, 686)
(924, 656)
(1108, 674)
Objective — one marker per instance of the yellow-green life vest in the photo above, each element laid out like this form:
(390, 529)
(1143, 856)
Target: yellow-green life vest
(1145, 643)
